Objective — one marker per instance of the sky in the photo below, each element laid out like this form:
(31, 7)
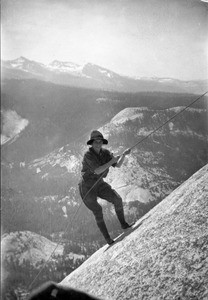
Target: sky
(137, 38)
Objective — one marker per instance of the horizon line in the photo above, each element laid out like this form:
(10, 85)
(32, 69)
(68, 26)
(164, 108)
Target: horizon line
(123, 75)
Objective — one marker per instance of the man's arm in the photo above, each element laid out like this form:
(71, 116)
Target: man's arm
(104, 167)
(122, 157)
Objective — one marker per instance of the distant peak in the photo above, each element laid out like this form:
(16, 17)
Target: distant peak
(22, 58)
(89, 64)
(56, 62)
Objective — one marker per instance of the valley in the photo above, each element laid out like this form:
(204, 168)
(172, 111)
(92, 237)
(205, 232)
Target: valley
(41, 165)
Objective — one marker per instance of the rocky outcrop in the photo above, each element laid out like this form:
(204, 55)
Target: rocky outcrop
(164, 255)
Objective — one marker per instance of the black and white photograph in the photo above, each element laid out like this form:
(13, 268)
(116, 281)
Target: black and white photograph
(104, 149)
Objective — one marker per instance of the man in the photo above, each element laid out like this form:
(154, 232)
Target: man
(95, 167)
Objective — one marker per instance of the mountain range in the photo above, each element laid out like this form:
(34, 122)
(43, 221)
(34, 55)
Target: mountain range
(46, 187)
(47, 116)
(94, 77)
(45, 129)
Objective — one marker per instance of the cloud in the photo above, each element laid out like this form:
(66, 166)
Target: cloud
(12, 125)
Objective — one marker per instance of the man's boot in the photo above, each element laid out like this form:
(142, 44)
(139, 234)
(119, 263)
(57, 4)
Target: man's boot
(101, 225)
(121, 218)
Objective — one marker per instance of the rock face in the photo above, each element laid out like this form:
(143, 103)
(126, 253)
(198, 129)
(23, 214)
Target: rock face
(164, 256)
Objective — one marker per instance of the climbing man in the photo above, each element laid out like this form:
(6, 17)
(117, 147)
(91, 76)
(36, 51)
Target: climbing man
(95, 167)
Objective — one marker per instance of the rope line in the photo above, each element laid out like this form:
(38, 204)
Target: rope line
(102, 175)
(41, 270)
(163, 124)
(69, 223)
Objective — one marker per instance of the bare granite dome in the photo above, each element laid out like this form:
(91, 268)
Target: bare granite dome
(164, 256)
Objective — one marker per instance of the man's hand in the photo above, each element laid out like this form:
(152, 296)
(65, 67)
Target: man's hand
(115, 159)
(127, 151)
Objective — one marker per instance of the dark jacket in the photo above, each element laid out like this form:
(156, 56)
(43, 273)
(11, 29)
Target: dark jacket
(92, 161)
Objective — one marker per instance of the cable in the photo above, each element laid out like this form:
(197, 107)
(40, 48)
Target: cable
(144, 138)
(102, 175)
(41, 270)
(69, 223)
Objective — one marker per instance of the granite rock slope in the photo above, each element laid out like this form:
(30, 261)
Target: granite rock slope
(164, 256)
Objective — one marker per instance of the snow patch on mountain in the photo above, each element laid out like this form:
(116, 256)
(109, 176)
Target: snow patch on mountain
(17, 65)
(24, 64)
(66, 67)
(93, 76)
(98, 72)
(166, 80)
(108, 74)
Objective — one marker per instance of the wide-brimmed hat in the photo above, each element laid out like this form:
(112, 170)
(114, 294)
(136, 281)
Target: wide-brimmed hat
(96, 135)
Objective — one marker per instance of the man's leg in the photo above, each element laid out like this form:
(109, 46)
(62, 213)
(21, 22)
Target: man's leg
(91, 202)
(106, 192)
